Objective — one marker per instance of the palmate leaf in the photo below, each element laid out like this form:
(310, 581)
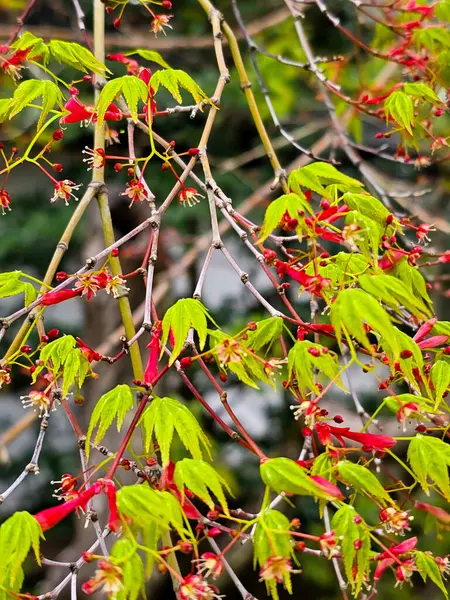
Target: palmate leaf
(202, 479)
(143, 505)
(113, 405)
(151, 56)
(303, 365)
(35, 46)
(429, 459)
(31, 89)
(265, 334)
(393, 293)
(413, 280)
(285, 475)
(351, 309)
(162, 418)
(180, 317)
(173, 80)
(400, 108)
(367, 205)
(18, 535)
(132, 88)
(363, 480)
(290, 203)
(124, 555)
(76, 56)
(422, 91)
(267, 542)
(317, 176)
(427, 567)
(349, 531)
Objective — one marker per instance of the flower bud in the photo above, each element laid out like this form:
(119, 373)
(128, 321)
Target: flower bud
(26, 349)
(53, 333)
(58, 134)
(213, 532)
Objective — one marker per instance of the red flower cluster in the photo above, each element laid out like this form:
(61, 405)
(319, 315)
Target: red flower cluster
(369, 441)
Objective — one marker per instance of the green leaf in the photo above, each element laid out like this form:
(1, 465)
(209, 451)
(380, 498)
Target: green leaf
(400, 108)
(54, 354)
(144, 505)
(367, 205)
(267, 542)
(290, 203)
(71, 368)
(31, 89)
(133, 90)
(392, 292)
(422, 91)
(10, 284)
(180, 317)
(303, 365)
(35, 45)
(413, 279)
(363, 480)
(30, 293)
(427, 567)
(162, 418)
(201, 478)
(173, 79)
(316, 176)
(124, 555)
(440, 377)
(429, 459)
(113, 405)
(434, 39)
(348, 531)
(442, 10)
(18, 535)
(5, 105)
(151, 56)
(76, 56)
(285, 475)
(265, 334)
(351, 309)
(441, 328)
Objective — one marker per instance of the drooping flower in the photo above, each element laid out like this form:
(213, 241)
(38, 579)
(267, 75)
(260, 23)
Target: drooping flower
(277, 568)
(131, 64)
(78, 112)
(194, 587)
(158, 24)
(95, 158)
(326, 486)
(189, 196)
(166, 482)
(209, 564)
(5, 201)
(67, 485)
(443, 564)
(39, 401)
(14, 64)
(107, 577)
(314, 284)
(116, 286)
(439, 513)
(114, 522)
(88, 284)
(328, 544)
(89, 353)
(63, 189)
(5, 378)
(370, 441)
(404, 572)
(395, 521)
(136, 191)
(424, 329)
(399, 549)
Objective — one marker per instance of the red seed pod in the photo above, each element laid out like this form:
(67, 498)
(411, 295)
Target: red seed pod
(88, 557)
(79, 399)
(118, 167)
(117, 22)
(165, 167)
(252, 326)
(87, 78)
(193, 151)
(223, 377)
(446, 350)
(185, 547)
(130, 172)
(58, 134)
(213, 532)
(213, 515)
(295, 523)
(300, 546)
(109, 10)
(115, 252)
(151, 462)
(438, 112)
(338, 419)
(357, 520)
(406, 354)
(200, 528)
(185, 362)
(32, 369)
(323, 412)
(314, 351)
(357, 544)
(61, 276)
(125, 463)
(53, 333)
(45, 339)
(383, 385)
(379, 135)
(167, 4)
(389, 219)
(285, 384)
(26, 349)
(319, 386)
(73, 91)
(14, 150)
(421, 428)
(58, 167)
(325, 204)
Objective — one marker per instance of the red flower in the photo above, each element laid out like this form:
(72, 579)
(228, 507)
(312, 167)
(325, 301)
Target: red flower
(398, 549)
(90, 354)
(5, 201)
(314, 284)
(79, 112)
(433, 342)
(131, 64)
(151, 370)
(136, 191)
(13, 65)
(326, 486)
(63, 189)
(159, 22)
(391, 258)
(425, 329)
(370, 441)
(114, 522)
(441, 515)
(50, 298)
(166, 482)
